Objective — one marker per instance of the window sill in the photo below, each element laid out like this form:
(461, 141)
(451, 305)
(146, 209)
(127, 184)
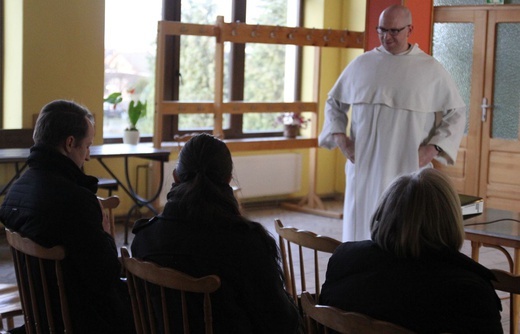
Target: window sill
(257, 144)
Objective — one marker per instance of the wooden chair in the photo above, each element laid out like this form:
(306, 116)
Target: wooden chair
(10, 305)
(508, 282)
(110, 203)
(145, 277)
(301, 239)
(344, 322)
(40, 280)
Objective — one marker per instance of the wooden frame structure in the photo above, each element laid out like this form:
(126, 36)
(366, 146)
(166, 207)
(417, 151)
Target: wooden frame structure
(243, 33)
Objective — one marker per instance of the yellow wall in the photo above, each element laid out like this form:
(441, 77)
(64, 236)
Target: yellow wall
(62, 56)
(350, 15)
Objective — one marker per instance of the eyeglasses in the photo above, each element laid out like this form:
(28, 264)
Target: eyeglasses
(393, 32)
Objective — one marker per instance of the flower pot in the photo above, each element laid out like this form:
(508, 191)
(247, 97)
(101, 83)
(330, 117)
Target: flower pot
(131, 137)
(291, 131)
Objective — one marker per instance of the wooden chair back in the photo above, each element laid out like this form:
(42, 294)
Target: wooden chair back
(109, 204)
(332, 318)
(508, 282)
(149, 313)
(40, 282)
(291, 239)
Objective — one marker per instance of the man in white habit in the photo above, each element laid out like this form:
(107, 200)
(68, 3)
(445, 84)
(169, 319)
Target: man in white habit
(406, 111)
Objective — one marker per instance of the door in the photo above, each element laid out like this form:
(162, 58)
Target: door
(479, 46)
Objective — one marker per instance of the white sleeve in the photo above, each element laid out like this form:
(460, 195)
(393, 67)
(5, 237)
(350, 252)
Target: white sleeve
(449, 134)
(336, 121)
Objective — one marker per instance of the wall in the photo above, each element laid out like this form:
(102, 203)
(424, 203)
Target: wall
(62, 54)
(350, 15)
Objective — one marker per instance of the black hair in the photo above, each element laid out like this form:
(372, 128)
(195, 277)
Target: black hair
(60, 119)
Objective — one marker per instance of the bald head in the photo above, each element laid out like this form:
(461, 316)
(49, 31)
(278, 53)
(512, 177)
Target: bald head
(395, 26)
(396, 12)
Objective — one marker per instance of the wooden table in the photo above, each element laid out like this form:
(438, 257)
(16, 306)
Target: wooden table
(498, 229)
(100, 152)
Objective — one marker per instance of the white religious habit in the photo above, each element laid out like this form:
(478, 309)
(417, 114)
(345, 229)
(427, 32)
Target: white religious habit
(399, 102)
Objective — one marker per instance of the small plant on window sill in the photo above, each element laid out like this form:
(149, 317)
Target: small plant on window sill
(292, 123)
(135, 110)
(293, 119)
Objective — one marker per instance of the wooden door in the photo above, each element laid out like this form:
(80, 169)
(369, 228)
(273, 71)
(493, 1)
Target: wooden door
(459, 44)
(489, 77)
(500, 159)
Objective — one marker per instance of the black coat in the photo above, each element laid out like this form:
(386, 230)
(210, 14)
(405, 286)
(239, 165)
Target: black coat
(54, 203)
(251, 298)
(438, 293)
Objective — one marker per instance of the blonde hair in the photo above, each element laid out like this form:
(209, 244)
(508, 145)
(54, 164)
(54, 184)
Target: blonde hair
(417, 213)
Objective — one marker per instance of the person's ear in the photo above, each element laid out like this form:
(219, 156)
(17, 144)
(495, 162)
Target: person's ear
(175, 176)
(410, 29)
(69, 144)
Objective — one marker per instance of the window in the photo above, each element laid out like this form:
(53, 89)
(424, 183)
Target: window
(254, 73)
(130, 46)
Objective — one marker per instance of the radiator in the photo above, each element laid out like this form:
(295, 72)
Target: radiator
(256, 175)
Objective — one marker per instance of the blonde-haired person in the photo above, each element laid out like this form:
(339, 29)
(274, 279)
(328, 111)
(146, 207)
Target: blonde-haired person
(412, 272)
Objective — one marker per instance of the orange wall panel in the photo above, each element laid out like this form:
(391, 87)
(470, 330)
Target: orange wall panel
(422, 14)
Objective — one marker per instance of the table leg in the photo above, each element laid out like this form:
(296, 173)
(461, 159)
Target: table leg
(475, 248)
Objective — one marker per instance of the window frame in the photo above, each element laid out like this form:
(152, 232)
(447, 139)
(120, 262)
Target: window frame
(172, 12)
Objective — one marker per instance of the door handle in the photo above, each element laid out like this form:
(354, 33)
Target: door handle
(485, 107)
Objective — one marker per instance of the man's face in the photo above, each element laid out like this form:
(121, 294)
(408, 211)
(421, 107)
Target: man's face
(80, 150)
(394, 42)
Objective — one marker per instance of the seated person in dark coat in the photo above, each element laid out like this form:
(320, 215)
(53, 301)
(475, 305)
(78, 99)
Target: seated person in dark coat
(412, 273)
(201, 232)
(55, 203)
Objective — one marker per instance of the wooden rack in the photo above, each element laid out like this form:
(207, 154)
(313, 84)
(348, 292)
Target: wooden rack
(237, 32)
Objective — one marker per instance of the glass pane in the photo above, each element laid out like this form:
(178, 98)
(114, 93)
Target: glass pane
(471, 2)
(507, 80)
(199, 122)
(205, 11)
(130, 61)
(197, 69)
(453, 48)
(197, 62)
(269, 69)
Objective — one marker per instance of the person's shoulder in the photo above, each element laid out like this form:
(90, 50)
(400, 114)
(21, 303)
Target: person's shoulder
(354, 251)
(357, 246)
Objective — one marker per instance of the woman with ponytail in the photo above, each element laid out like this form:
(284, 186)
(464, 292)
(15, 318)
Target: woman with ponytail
(201, 232)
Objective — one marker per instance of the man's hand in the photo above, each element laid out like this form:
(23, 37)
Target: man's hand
(346, 145)
(426, 154)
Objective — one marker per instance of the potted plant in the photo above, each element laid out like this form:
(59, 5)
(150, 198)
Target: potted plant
(136, 110)
(292, 123)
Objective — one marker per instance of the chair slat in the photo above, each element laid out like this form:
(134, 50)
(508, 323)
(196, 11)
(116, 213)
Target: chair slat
(31, 261)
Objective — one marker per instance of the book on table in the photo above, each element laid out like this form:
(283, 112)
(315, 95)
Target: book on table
(471, 205)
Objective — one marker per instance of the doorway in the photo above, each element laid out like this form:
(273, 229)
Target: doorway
(478, 45)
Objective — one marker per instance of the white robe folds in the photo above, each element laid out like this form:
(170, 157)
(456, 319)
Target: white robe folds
(399, 102)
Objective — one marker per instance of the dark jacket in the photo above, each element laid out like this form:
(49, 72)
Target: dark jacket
(251, 298)
(437, 293)
(54, 203)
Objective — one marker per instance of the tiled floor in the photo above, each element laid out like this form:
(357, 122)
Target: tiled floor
(265, 215)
